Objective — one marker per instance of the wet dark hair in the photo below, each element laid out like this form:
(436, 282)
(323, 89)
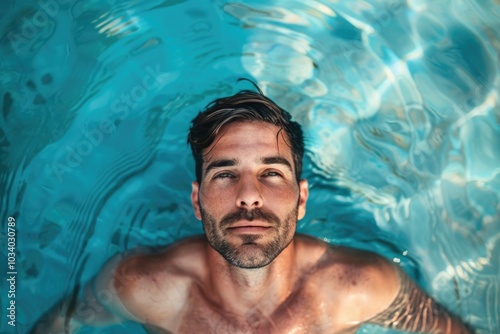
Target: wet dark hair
(244, 106)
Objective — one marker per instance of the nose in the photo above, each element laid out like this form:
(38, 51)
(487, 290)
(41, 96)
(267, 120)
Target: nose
(249, 196)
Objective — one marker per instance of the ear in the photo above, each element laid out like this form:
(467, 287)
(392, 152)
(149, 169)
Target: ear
(195, 199)
(303, 195)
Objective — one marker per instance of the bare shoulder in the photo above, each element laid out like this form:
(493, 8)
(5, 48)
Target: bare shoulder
(367, 288)
(349, 267)
(413, 310)
(366, 282)
(157, 284)
(356, 280)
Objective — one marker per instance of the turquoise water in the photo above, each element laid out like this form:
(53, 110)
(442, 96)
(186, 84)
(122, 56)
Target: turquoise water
(399, 102)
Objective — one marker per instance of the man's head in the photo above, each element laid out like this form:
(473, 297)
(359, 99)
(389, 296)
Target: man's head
(248, 193)
(244, 106)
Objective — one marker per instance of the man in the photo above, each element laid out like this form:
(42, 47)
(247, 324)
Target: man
(250, 273)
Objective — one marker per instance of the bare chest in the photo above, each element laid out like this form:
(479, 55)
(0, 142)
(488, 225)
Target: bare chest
(298, 314)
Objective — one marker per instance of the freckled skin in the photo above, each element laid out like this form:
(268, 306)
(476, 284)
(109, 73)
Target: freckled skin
(242, 279)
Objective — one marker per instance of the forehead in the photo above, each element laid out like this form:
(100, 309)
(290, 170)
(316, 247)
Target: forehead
(248, 138)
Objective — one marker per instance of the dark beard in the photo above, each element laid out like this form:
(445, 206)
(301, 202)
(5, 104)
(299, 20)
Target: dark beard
(250, 254)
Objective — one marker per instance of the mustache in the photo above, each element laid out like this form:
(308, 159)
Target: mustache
(249, 215)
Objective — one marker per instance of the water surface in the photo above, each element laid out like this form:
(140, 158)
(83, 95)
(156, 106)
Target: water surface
(399, 103)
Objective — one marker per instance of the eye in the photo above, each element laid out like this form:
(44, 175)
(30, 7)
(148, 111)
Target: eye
(272, 174)
(223, 176)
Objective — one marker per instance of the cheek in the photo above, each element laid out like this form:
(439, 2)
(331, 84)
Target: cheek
(214, 202)
(282, 197)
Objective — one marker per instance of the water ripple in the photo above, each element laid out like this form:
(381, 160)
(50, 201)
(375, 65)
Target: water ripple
(399, 101)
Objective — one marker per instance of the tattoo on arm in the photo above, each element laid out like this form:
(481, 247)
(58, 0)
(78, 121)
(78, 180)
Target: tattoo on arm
(412, 310)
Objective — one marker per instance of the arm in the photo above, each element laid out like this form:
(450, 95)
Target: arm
(412, 310)
(98, 304)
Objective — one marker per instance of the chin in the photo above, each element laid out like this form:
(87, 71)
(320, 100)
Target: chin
(251, 255)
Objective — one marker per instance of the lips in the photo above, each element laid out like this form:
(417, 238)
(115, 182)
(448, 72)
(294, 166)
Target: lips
(249, 227)
(248, 224)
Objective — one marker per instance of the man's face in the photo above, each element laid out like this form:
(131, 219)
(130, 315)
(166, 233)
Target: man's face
(248, 199)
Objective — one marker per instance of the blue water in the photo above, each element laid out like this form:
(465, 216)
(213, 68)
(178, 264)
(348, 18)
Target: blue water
(399, 103)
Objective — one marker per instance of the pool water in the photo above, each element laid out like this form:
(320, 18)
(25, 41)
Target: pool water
(399, 101)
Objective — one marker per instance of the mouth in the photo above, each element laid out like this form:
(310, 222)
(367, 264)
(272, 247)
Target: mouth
(249, 227)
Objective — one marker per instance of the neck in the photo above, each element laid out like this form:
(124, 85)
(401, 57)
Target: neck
(243, 290)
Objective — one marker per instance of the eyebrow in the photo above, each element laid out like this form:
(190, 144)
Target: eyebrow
(221, 163)
(277, 160)
(233, 162)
